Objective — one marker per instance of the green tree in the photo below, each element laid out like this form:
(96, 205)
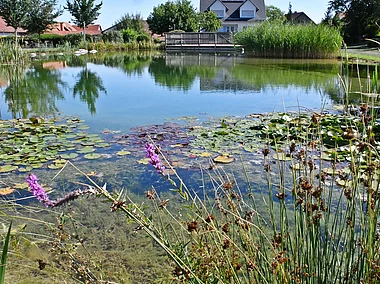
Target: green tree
(274, 14)
(360, 17)
(179, 15)
(14, 13)
(209, 22)
(84, 12)
(133, 22)
(41, 14)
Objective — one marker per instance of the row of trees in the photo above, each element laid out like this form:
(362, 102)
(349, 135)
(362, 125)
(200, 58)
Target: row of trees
(181, 15)
(36, 15)
(356, 18)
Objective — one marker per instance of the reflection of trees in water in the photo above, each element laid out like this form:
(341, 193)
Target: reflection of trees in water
(88, 88)
(34, 91)
(178, 77)
(130, 63)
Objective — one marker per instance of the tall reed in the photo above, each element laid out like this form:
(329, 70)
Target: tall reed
(290, 41)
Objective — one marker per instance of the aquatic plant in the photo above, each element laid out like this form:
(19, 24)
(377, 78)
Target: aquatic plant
(290, 41)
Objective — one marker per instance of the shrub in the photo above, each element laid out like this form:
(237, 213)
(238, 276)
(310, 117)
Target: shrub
(112, 36)
(129, 35)
(143, 37)
(74, 39)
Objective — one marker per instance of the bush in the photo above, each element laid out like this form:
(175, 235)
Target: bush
(54, 39)
(143, 37)
(112, 36)
(129, 35)
(74, 39)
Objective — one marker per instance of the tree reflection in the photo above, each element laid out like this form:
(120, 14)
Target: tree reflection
(88, 88)
(32, 91)
(178, 77)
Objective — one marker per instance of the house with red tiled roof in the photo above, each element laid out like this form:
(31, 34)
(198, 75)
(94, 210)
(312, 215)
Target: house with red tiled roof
(6, 30)
(65, 28)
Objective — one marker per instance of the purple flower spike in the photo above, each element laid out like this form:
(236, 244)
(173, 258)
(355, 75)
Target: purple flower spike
(154, 159)
(37, 190)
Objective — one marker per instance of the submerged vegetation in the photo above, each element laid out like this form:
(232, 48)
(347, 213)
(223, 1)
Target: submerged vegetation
(272, 39)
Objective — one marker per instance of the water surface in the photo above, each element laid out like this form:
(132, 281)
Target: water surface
(120, 91)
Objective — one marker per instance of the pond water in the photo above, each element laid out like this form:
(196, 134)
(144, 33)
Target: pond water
(120, 91)
(117, 99)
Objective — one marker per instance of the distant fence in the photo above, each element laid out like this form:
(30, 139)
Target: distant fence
(197, 39)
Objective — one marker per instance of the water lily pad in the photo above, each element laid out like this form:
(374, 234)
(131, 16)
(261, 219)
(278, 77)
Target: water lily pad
(6, 190)
(25, 169)
(86, 150)
(123, 153)
(69, 156)
(92, 156)
(55, 166)
(8, 168)
(144, 161)
(224, 159)
(23, 185)
(206, 154)
(102, 145)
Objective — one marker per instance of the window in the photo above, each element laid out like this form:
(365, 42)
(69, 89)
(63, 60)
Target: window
(219, 13)
(230, 29)
(247, 13)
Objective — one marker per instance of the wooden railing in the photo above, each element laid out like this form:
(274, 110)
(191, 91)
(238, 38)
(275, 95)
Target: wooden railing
(197, 39)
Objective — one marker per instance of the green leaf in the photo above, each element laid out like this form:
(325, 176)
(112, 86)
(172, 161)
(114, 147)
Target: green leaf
(4, 255)
(92, 156)
(123, 153)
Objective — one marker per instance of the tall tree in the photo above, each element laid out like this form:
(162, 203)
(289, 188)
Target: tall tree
(209, 21)
(41, 14)
(275, 14)
(179, 15)
(127, 21)
(84, 12)
(360, 17)
(14, 13)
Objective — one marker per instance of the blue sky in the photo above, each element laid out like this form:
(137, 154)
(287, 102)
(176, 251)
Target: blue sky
(113, 9)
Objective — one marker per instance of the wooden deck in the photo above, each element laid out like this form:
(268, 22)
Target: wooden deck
(201, 42)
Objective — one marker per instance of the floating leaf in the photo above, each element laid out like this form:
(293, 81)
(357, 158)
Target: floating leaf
(8, 168)
(144, 161)
(123, 153)
(86, 150)
(92, 156)
(23, 185)
(6, 190)
(55, 166)
(206, 154)
(224, 159)
(69, 156)
(102, 145)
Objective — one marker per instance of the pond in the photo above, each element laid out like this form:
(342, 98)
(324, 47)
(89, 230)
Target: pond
(118, 94)
(96, 111)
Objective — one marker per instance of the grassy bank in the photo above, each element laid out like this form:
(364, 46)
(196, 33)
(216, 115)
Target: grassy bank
(290, 41)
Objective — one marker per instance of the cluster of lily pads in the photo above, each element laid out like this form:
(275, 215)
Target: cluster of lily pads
(28, 144)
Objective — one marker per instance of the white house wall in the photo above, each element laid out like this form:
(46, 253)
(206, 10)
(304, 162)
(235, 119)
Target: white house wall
(234, 26)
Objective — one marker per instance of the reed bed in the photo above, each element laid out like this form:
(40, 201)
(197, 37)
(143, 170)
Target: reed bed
(11, 54)
(290, 41)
